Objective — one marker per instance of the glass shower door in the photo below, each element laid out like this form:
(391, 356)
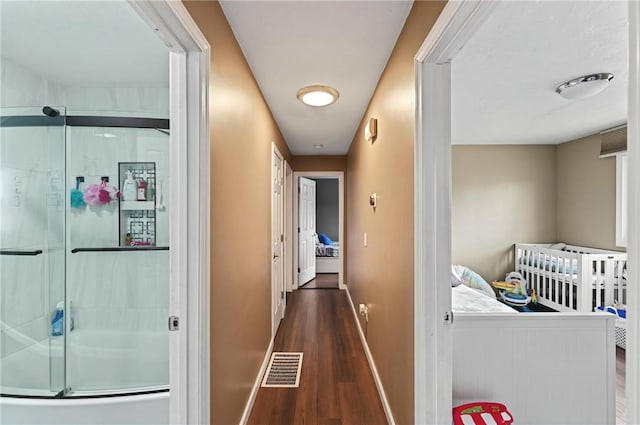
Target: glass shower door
(32, 262)
(118, 259)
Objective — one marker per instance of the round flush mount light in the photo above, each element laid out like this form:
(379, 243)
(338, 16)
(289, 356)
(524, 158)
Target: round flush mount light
(318, 145)
(586, 86)
(317, 95)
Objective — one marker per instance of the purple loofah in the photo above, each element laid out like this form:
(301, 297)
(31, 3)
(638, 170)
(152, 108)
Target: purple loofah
(104, 197)
(91, 194)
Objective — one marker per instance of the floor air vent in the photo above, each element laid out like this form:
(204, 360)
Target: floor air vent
(283, 371)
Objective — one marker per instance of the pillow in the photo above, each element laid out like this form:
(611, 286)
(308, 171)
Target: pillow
(456, 275)
(324, 239)
(474, 280)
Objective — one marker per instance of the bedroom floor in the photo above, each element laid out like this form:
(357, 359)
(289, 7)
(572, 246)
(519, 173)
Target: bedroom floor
(322, 281)
(621, 400)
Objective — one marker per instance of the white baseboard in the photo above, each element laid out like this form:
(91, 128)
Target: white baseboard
(372, 365)
(256, 386)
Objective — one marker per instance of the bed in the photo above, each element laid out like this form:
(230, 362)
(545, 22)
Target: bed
(327, 255)
(502, 355)
(469, 300)
(470, 293)
(573, 278)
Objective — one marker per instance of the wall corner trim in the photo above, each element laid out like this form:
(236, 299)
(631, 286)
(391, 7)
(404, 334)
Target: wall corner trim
(372, 365)
(256, 385)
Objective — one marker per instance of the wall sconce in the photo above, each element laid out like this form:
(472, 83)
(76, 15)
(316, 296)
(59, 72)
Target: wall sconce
(371, 130)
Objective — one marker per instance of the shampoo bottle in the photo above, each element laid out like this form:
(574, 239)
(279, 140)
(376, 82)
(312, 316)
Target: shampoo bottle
(129, 188)
(142, 190)
(57, 323)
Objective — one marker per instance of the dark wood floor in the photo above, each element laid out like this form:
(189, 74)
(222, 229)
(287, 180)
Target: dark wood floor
(322, 281)
(621, 400)
(336, 384)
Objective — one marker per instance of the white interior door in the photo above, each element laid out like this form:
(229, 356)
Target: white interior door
(307, 231)
(277, 237)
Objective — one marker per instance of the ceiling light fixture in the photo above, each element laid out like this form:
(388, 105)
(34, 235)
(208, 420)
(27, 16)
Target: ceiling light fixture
(586, 86)
(317, 95)
(318, 145)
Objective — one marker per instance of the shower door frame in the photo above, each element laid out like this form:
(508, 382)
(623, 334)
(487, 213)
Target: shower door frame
(189, 345)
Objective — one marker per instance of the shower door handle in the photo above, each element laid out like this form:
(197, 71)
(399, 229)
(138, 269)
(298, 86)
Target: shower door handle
(174, 323)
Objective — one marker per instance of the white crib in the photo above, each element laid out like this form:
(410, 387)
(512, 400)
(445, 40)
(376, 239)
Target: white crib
(573, 278)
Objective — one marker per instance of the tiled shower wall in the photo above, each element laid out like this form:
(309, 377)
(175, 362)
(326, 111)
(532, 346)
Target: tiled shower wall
(120, 291)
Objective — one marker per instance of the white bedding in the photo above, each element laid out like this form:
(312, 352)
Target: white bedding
(468, 300)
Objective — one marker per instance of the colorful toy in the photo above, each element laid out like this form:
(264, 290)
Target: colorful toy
(508, 286)
(517, 296)
(482, 413)
(534, 297)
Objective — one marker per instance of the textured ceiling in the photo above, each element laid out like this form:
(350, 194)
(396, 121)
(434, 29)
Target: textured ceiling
(504, 79)
(83, 43)
(292, 44)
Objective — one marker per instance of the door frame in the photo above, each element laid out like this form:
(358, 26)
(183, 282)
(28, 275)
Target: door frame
(632, 384)
(275, 151)
(288, 227)
(455, 26)
(319, 175)
(432, 207)
(189, 346)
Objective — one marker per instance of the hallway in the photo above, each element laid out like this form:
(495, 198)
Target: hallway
(336, 384)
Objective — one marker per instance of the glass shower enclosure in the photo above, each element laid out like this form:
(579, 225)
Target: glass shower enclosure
(84, 271)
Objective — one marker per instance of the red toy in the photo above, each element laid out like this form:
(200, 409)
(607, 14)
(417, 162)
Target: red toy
(482, 413)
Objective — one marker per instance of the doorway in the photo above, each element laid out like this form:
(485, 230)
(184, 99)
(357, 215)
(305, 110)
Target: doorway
(454, 28)
(278, 300)
(318, 258)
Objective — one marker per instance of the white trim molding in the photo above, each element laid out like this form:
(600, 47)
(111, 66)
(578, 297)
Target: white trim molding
(633, 252)
(341, 202)
(189, 58)
(256, 386)
(372, 364)
(622, 207)
(432, 180)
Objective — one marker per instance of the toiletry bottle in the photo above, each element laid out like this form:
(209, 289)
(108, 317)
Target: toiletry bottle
(129, 188)
(142, 190)
(57, 323)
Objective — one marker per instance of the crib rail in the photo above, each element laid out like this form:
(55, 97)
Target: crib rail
(574, 279)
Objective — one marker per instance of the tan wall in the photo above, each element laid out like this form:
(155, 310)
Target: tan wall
(381, 275)
(586, 194)
(319, 163)
(501, 195)
(240, 217)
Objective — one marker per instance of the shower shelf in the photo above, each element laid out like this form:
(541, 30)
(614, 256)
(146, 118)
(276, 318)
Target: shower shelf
(137, 205)
(31, 252)
(137, 223)
(121, 248)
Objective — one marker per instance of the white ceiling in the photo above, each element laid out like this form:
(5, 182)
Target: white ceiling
(292, 44)
(504, 79)
(83, 43)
